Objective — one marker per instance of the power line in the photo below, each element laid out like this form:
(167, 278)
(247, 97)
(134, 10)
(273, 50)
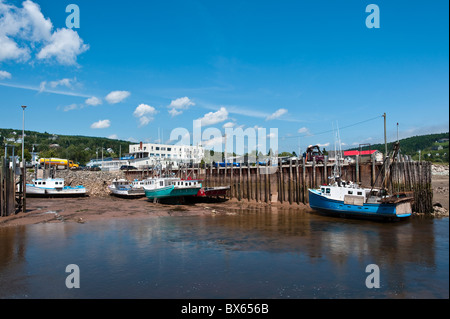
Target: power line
(329, 131)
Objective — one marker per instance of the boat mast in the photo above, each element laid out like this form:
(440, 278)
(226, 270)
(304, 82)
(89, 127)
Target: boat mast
(338, 155)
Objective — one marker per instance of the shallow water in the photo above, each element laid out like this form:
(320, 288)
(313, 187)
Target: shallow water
(267, 253)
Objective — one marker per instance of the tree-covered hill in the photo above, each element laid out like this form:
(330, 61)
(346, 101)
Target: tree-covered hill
(80, 149)
(432, 147)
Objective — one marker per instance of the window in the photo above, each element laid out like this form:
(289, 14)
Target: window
(169, 149)
(323, 190)
(328, 191)
(350, 192)
(157, 148)
(359, 193)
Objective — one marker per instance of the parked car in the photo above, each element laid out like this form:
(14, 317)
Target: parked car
(127, 168)
(95, 168)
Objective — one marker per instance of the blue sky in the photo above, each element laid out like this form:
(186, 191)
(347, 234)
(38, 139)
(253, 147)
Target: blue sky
(136, 70)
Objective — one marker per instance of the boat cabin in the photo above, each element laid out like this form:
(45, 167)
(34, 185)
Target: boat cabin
(49, 183)
(344, 191)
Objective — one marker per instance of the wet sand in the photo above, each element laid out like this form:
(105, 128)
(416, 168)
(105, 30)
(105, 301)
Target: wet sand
(85, 209)
(440, 185)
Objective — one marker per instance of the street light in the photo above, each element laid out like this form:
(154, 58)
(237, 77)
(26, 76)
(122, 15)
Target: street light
(24, 209)
(23, 134)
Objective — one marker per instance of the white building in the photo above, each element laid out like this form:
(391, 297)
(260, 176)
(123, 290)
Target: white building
(148, 155)
(177, 153)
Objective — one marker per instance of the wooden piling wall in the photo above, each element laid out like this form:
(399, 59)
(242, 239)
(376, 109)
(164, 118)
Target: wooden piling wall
(289, 183)
(7, 189)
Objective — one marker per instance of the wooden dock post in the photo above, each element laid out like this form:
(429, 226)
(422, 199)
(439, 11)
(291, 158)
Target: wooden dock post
(290, 182)
(249, 192)
(314, 178)
(256, 181)
(357, 169)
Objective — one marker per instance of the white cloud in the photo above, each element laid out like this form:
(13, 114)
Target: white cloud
(93, 101)
(212, 118)
(70, 107)
(181, 103)
(117, 96)
(145, 113)
(144, 109)
(113, 137)
(65, 45)
(4, 75)
(39, 27)
(323, 145)
(229, 125)
(216, 141)
(304, 130)
(176, 106)
(144, 120)
(101, 124)
(63, 82)
(10, 50)
(175, 112)
(25, 30)
(42, 86)
(276, 114)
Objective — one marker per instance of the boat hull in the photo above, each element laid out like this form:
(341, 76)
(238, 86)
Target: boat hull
(49, 192)
(367, 210)
(33, 190)
(184, 191)
(213, 191)
(159, 193)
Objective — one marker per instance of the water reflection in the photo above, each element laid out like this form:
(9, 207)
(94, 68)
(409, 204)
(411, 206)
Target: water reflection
(244, 254)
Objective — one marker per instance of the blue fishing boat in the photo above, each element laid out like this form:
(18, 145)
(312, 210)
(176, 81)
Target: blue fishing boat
(349, 199)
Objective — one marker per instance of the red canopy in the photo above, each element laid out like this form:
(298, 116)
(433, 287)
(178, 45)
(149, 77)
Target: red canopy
(354, 153)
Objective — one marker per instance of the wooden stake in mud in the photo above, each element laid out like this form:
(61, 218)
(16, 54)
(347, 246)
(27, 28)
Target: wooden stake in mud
(290, 182)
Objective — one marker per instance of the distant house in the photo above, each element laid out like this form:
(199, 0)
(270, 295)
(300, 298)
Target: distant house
(365, 156)
(54, 145)
(443, 140)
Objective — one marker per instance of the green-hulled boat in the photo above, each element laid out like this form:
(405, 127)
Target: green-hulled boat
(171, 187)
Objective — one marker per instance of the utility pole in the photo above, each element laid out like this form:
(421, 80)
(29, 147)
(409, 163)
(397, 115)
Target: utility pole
(397, 132)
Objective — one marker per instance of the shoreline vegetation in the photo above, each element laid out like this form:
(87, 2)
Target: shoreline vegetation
(100, 205)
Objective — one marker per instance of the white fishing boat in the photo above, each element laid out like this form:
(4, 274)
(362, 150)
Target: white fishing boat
(53, 187)
(125, 188)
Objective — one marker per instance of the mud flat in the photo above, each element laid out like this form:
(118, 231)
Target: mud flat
(440, 184)
(85, 209)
